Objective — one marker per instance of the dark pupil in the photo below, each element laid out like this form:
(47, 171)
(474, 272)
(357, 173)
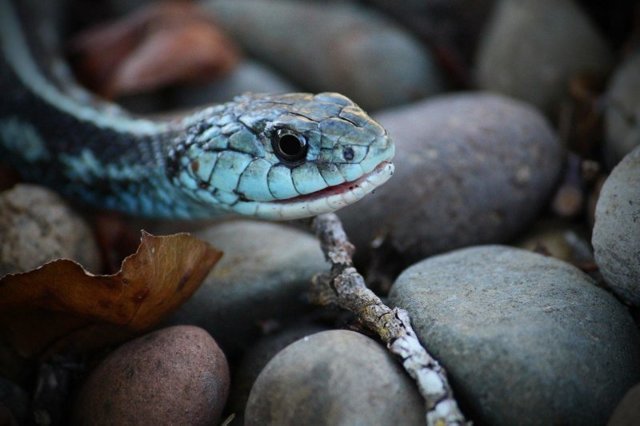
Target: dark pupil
(348, 153)
(291, 147)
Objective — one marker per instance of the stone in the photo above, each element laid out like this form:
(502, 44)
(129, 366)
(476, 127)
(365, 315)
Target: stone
(471, 169)
(526, 339)
(453, 26)
(174, 376)
(334, 378)
(622, 116)
(337, 47)
(616, 232)
(532, 48)
(37, 226)
(255, 359)
(248, 76)
(263, 275)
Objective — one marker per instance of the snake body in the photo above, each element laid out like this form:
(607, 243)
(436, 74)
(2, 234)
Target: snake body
(270, 156)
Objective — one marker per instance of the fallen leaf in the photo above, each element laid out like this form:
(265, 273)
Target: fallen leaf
(116, 236)
(60, 306)
(160, 45)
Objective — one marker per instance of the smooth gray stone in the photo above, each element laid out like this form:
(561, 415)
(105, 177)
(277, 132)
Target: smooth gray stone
(263, 275)
(255, 359)
(622, 119)
(471, 168)
(526, 339)
(532, 48)
(248, 77)
(334, 378)
(337, 47)
(616, 232)
(454, 26)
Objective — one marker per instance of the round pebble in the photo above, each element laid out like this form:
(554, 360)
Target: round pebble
(532, 48)
(338, 47)
(616, 232)
(255, 359)
(37, 226)
(263, 275)
(174, 376)
(453, 26)
(248, 76)
(622, 119)
(526, 339)
(470, 169)
(334, 378)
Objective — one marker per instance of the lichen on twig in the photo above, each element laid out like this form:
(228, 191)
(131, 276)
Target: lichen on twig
(345, 287)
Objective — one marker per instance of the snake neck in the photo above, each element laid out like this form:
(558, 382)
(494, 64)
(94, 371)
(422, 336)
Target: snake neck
(54, 131)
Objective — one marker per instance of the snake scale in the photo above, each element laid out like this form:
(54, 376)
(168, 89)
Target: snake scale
(277, 157)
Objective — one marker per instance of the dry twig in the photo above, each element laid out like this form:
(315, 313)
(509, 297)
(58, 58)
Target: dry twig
(345, 287)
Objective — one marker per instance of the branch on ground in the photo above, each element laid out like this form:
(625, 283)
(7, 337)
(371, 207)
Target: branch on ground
(345, 287)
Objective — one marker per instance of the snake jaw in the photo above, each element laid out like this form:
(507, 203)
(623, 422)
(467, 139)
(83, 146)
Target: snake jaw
(323, 201)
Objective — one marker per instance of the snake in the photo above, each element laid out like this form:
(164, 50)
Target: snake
(270, 156)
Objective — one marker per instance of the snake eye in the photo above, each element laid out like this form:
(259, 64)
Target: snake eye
(348, 154)
(290, 147)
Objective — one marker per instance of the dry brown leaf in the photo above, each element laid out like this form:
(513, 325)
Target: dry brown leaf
(60, 306)
(170, 56)
(162, 44)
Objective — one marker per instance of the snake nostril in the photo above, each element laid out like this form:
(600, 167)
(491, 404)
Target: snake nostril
(348, 154)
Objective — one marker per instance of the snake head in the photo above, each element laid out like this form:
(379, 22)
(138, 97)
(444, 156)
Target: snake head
(282, 157)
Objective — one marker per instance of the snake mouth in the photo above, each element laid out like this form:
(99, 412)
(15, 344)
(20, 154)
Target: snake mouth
(328, 199)
(345, 188)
